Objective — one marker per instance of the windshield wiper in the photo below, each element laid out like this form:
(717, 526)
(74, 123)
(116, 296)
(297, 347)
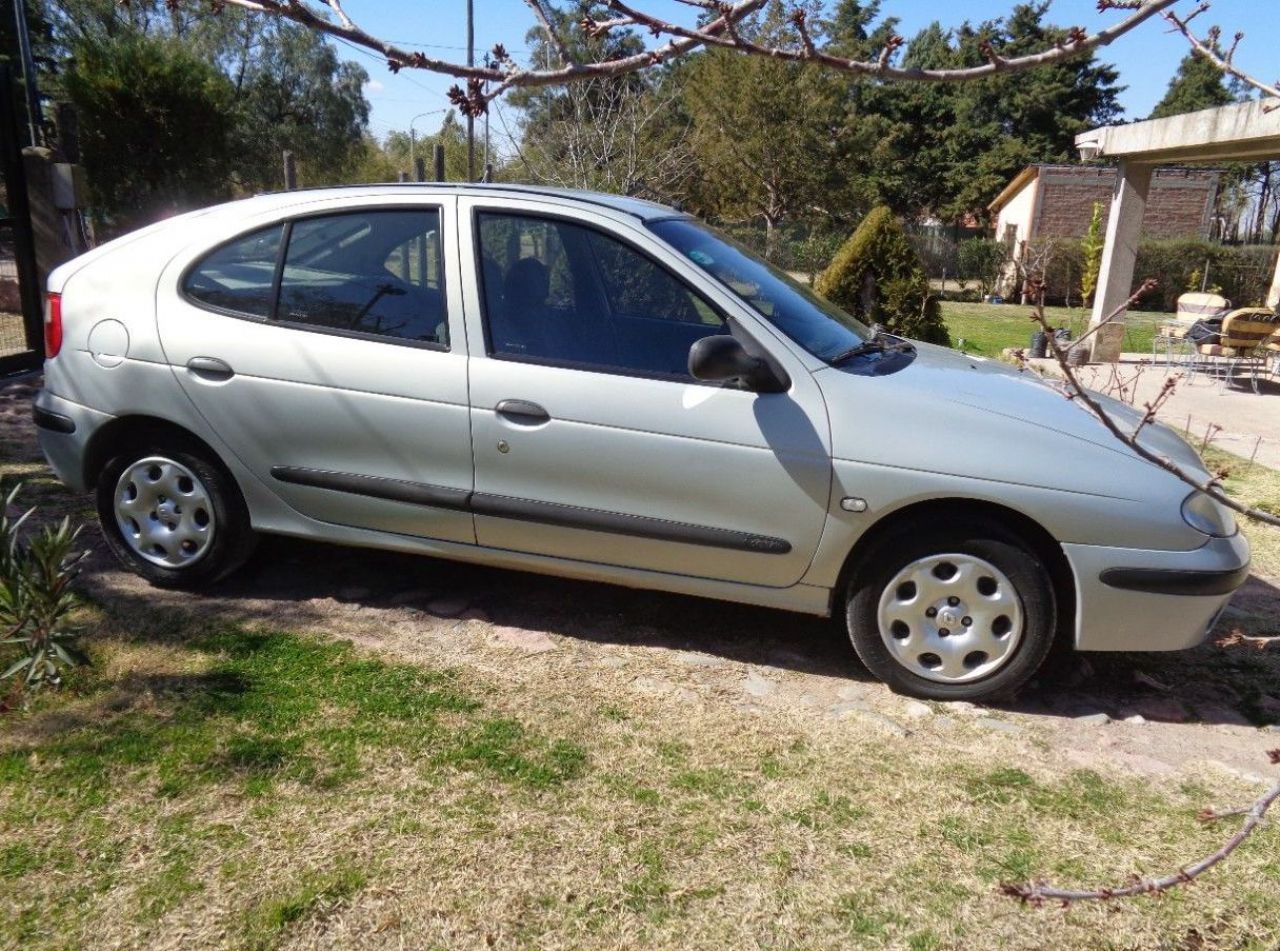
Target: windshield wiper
(867, 346)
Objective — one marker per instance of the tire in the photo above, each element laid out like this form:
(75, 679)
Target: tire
(1003, 590)
(196, 524)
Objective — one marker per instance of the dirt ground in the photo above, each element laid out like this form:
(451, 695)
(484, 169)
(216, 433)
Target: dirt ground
(1160, 716)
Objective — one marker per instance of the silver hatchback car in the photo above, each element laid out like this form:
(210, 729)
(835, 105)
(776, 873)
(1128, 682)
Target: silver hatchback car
(603, 388)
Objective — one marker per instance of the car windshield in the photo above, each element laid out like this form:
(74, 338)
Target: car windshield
(819, 326)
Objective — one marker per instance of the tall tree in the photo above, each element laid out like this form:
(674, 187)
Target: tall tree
(294, 93)
(764, 133)
(156, 127)
(1007, 122)
(1197, 85)
(289, 88)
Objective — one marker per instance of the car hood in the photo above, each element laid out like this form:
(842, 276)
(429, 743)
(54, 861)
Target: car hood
(951, 412)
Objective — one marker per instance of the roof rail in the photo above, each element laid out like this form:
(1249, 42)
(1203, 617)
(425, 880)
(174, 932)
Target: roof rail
(603, 199)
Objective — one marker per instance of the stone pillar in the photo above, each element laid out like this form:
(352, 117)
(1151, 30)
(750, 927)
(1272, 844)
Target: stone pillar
(1115, 280)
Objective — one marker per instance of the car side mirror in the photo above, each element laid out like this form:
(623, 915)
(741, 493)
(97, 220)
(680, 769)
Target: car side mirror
(721, 358)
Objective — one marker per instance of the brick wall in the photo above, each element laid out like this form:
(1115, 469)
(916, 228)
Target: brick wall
(1178, 205)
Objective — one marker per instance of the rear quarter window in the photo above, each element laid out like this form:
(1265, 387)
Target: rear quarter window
(239, 276)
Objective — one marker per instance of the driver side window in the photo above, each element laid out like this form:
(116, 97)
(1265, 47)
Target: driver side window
(562, 293)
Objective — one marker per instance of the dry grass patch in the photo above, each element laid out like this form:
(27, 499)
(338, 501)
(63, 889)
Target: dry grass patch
(1258, 486)
(209, 785)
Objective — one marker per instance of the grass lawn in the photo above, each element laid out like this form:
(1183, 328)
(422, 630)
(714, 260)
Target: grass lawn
(989, 328)
(209, 785)
(1260, 487)
(249, 784)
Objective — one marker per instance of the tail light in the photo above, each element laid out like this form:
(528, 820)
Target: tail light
(52, 325)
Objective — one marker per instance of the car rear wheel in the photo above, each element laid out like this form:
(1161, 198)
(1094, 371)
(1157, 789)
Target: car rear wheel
(962, 613)
(173, 516)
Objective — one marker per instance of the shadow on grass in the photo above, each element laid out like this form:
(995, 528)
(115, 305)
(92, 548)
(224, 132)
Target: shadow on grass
(1227, 680)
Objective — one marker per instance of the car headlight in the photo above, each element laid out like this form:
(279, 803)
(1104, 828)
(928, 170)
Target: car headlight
(1207, 516)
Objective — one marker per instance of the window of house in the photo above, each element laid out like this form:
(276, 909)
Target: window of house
(563, 293)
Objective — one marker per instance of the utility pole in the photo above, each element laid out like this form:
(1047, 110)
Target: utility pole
(29, 69)
(471, 121)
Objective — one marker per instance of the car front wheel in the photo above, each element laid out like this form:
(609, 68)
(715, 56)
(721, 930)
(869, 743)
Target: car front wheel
(173, 516)
(962, 613)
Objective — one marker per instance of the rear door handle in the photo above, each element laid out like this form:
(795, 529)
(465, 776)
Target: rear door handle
(210, 368)
(523, 412)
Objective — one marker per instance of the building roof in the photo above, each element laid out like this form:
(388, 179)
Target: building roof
(1017, 184)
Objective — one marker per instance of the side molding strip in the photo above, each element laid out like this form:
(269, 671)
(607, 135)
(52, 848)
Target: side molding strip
(395, 490)
(524, 510)
(638, 526)
(1175, 581)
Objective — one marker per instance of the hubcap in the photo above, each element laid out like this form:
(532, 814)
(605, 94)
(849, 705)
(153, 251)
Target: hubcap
(164, 512)
(951, 618)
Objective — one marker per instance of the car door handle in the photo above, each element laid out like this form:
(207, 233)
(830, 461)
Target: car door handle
(523, 412)
(210, 368)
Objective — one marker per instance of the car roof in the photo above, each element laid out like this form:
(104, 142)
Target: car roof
(637, 207)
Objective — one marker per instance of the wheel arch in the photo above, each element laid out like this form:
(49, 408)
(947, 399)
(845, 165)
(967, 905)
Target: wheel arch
(930, 511)
(132, 431)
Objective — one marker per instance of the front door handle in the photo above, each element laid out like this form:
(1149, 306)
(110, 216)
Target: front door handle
(523, 412)
(210, 368)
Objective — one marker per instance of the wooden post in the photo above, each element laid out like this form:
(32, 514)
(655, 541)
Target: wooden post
(419, 169)
(437, 159)
(290, 172)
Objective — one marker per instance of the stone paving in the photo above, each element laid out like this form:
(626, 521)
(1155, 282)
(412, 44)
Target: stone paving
(1250, 421)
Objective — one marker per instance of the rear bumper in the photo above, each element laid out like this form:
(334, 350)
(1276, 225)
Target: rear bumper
(64, 429)
(1134, 600)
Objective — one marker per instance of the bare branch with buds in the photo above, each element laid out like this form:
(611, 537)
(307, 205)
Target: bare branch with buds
(1040, 892)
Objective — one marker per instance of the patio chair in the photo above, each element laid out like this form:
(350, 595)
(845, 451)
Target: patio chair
(1172, 337)
(1244, 344)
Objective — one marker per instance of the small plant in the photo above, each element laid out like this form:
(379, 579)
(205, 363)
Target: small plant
(36, 599)
(983, 260)
(1092, 245)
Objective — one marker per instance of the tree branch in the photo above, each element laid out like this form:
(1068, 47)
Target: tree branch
(1037, 892)
(489, 80)
(552, 34)
(1077, 391)
(1208, 49)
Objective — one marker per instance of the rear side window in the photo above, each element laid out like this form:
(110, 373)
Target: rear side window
(373, 272)
(240, 275)
(377, 273)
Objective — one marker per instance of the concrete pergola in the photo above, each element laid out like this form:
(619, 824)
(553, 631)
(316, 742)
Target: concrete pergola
(1247, 132)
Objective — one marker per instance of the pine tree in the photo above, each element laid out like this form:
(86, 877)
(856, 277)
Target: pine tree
(1197, 85)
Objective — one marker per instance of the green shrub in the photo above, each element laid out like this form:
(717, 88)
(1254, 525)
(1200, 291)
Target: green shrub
(36, 598)
(1241, 273)
(982, 260)
(877, 276)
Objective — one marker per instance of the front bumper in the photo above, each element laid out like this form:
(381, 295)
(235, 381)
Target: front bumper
(64, 429)
(1135, 600)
